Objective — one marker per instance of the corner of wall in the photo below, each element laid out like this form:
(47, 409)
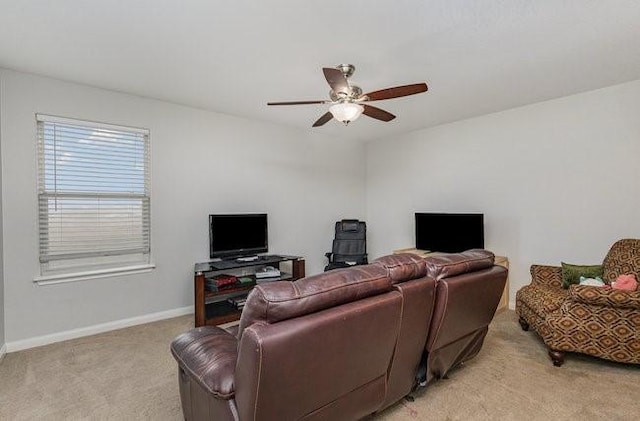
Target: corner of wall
(3, 347)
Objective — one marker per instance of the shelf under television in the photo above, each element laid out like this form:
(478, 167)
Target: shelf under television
(212, 308)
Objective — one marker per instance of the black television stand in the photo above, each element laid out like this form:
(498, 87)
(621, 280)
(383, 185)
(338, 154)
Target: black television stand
(212, 304)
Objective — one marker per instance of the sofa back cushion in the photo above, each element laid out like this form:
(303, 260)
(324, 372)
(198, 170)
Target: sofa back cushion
(464, 307)
(408, 275)
(623, 259)
(327, 365)
(442, 266)
(277, 301)
(404, 266)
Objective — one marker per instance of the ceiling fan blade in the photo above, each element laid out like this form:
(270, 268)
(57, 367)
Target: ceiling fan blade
(377, 113)
(336, 80)
(397, 91)
(322, 120)
(297, 102)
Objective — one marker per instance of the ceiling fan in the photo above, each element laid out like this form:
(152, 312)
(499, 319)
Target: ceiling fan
(347, 99)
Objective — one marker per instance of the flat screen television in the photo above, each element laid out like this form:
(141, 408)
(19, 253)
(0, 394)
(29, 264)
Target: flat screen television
(236, 235)
(449, 232)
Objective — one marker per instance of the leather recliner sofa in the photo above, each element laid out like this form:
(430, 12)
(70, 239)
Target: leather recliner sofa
(343, 344)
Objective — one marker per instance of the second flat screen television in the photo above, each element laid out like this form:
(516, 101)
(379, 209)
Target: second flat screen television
(236, 235)
(449, 232)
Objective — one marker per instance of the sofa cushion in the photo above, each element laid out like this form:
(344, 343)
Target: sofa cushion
(276, 301)
(615, 298)
(403, 267)
(447, 265)
(542, 299)
(571, 273)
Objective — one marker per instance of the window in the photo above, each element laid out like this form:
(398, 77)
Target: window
(93, 198)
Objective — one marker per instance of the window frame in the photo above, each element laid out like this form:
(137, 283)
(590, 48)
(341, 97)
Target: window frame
(109, 264)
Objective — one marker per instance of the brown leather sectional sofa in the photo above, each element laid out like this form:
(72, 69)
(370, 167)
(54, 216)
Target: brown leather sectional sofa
(343, 344)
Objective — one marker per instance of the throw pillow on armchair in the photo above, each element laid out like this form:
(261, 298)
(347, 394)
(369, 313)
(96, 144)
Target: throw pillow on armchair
(571, 273)
(626, 282)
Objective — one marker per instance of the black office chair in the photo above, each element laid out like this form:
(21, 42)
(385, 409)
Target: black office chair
(349, 245)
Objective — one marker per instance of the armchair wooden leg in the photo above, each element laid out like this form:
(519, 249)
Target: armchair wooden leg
(523, 324)
(557, 357)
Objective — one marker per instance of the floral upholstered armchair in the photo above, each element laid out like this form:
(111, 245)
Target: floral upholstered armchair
(599, 321)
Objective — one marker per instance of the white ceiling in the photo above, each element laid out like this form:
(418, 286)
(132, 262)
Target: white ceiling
(233, 56)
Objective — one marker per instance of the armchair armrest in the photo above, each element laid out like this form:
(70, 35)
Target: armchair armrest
(546, 275)
(208, 355)
(605, 296)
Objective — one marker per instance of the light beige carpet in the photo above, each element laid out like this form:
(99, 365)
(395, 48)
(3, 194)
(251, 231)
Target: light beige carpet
(129, 374)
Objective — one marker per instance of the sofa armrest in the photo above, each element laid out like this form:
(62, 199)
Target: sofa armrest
(546, 275)
(605, 296)
(208, 355)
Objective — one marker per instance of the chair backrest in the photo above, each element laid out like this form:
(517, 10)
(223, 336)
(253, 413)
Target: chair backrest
(468, 290)
(319, 347)
(623, 259)
(350, 241)
(408, 275)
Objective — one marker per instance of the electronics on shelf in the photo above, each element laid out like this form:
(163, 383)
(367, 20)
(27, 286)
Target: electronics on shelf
(238, 302)
(267, 272)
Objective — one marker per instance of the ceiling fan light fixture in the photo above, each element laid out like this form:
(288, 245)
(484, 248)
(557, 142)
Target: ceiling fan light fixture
(346, 111)
(346, 98)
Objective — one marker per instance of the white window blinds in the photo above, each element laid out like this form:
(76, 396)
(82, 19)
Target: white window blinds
(93, 194)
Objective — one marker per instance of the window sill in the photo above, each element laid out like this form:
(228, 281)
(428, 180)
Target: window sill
(94, 274)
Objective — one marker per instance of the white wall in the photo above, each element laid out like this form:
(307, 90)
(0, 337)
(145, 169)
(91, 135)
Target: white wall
(2, 336)
(558, 180)
(202, 162)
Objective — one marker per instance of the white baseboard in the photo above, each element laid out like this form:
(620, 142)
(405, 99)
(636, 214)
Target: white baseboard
(95, 329)
(3, 352)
